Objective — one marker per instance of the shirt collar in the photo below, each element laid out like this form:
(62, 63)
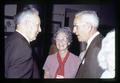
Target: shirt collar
(90, 39)
(23, 36)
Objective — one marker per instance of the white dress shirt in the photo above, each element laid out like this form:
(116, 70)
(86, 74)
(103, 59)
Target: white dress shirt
(88, 43)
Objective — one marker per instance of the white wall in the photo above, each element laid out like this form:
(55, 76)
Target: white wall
(10, 9)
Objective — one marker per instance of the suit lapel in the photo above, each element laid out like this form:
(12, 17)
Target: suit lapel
(95, 41)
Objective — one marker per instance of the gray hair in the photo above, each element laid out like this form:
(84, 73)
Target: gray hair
(89, 16)
(67, 32)
(26, 15)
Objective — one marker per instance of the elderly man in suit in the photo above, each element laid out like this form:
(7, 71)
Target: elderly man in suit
(19, 62)
(85, 27)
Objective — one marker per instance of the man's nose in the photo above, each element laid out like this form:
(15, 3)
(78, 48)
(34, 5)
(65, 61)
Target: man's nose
(74, 30)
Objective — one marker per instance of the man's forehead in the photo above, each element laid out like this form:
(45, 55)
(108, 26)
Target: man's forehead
(76, 21)
(79, 20)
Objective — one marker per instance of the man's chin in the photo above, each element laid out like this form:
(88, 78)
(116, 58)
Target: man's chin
(79, 39)
(33, 39)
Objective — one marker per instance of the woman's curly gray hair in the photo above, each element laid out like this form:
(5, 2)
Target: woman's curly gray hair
(67, 32)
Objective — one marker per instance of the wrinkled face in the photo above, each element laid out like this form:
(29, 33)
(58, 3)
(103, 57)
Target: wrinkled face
(61, 41)
(81, 29)
(35, 28)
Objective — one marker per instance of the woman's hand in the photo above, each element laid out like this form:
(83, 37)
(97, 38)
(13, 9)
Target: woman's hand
(46, 75)
(59, 76)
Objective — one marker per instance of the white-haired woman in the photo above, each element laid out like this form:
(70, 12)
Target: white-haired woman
(106, 57)
(62, 64)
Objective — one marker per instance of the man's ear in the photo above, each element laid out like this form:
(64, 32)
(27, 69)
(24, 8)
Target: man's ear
(90, 27)
(29, 24)
(26, 23)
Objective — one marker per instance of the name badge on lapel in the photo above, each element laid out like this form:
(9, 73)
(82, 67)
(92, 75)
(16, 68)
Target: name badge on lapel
(83, 61)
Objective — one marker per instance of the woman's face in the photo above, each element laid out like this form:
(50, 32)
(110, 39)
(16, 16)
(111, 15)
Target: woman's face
(61, 41)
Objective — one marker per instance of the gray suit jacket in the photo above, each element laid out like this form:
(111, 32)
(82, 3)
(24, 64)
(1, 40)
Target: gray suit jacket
(19, 62)
(90, 68)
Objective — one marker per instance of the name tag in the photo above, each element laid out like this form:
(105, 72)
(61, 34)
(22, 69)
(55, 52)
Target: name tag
(83, 61)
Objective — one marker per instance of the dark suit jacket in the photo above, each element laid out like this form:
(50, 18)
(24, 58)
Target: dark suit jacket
(91, 69)
(18, 57)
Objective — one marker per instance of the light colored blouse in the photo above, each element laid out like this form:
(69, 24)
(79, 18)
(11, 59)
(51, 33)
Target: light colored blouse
(71, 65)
